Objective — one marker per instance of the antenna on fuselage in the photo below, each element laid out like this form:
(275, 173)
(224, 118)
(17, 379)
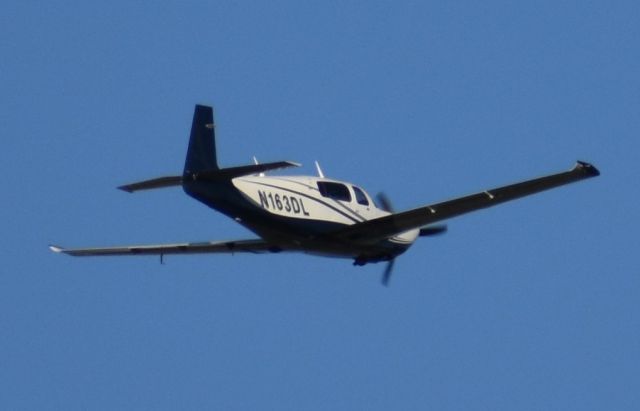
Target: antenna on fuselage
(255, 161)
(320, 173)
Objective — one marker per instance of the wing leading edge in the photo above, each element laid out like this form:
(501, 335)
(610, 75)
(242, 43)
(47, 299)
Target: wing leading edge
(380, 228)
(239, 246)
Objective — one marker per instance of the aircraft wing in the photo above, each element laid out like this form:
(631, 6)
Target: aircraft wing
(384, 227)
(237, 246)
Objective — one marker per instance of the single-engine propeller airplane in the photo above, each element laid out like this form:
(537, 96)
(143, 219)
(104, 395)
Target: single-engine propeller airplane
(314, 215)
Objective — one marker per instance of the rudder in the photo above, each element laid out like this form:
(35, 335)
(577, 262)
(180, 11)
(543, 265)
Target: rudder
(201, 154)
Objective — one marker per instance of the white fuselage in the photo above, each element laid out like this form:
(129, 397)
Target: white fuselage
(315, 199)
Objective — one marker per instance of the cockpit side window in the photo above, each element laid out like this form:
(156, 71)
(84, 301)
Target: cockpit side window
(335, 191)
(361, 198)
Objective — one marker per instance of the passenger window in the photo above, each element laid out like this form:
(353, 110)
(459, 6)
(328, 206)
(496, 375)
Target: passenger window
(335, 191)
(361, 198)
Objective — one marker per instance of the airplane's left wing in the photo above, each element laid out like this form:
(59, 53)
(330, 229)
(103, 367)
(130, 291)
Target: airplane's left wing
(384, 227)
(237, 246)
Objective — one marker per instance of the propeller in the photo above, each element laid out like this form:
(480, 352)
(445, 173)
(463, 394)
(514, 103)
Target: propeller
(384, 201)
(433, 230)
(387, 272)
(385, 204)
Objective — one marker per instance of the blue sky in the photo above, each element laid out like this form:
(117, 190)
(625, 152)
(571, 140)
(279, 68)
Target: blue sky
(530, 305)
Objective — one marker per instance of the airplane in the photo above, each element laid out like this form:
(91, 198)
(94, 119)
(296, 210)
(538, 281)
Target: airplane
(309, 214)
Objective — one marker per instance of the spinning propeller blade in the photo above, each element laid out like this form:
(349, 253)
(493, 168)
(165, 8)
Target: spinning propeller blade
(433, 230)
(387, 272)
(385, 202)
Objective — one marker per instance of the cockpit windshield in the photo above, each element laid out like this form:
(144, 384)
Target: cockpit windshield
(361, 197)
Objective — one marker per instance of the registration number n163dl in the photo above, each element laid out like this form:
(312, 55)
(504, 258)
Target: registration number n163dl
(282, 202)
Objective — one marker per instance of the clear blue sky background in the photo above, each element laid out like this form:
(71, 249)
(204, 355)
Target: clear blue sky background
(531, 305)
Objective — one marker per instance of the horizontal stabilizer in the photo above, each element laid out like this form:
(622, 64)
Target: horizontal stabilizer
(233, 172)
(211, 175)
(160, 182)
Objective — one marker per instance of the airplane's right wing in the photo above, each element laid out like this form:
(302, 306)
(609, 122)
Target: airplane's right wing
(384, 227)
(229, 247)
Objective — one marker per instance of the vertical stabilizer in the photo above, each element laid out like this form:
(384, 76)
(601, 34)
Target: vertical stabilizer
(201, 154)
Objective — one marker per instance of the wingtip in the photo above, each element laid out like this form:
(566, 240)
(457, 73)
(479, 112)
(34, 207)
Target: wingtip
(55, 248)
(588, 168)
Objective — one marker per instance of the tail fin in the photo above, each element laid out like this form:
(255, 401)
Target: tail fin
(201, 162)
(201, 154)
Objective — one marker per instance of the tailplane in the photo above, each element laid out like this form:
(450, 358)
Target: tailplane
(160, 182)
(201, 163)
(201, 154)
